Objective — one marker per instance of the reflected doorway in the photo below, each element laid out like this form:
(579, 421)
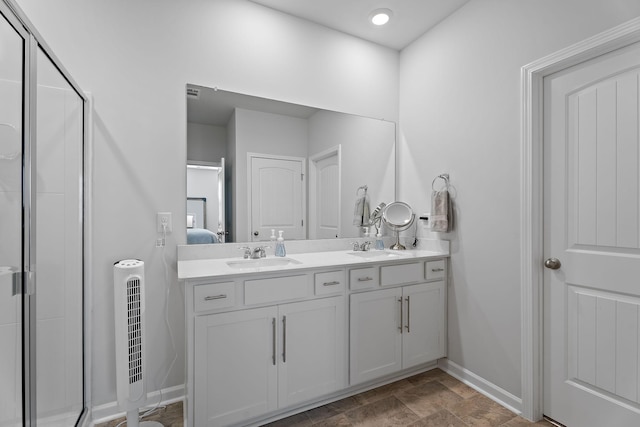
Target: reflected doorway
(206, 211)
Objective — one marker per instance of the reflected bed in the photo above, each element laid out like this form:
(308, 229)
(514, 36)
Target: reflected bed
(201, 236)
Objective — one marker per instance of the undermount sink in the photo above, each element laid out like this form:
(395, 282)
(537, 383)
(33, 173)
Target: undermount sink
(261, 262)
(376, 254)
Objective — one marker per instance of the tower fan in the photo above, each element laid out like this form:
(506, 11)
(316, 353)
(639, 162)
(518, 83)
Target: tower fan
(128, 281)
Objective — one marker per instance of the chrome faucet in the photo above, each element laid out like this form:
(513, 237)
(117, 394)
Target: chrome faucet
(255, 253)
(259, 252)
(365, 246)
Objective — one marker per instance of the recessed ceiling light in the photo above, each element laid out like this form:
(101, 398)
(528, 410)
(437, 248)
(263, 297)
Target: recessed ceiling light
(380, 16)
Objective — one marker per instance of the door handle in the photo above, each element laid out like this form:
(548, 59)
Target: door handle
(408, 314)
(284, 339)
(552, 263)
(401, 314)
(16, 278)
(273, 327)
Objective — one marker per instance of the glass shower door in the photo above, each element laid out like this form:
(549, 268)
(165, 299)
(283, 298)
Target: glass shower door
(58, 247)
(12, 48)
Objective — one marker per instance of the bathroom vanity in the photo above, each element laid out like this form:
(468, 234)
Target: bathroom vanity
(269, 337)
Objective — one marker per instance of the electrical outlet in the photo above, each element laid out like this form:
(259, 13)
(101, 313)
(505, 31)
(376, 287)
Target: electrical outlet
(163, 221)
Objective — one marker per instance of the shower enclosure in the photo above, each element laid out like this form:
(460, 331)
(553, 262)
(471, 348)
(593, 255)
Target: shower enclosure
(42, 134)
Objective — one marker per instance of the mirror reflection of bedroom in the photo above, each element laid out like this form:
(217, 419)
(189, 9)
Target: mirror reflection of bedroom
(206, 202)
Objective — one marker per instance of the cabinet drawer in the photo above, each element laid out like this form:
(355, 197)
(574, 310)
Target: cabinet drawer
(435, 269)
(403, 273)
(329, 283)
(213, 296)
(275, 289)
(363, 278)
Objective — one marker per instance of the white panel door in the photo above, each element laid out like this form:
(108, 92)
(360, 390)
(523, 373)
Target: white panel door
(591, 223)
(276, 200)
(236, 366)
(313, 357)
(324, 196)
(376, 334)
(424, 333)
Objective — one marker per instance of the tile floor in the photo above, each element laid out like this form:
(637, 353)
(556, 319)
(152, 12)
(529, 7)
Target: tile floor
(431, 399)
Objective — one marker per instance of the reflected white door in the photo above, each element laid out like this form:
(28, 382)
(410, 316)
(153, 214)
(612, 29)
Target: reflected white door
(591, 223)
(222, 234)
(324, 195)
(277, 197)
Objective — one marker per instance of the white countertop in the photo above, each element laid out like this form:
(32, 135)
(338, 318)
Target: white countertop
(218, 267)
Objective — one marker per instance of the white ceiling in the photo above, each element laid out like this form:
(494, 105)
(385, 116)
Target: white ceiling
(214, 107)
(411, 18)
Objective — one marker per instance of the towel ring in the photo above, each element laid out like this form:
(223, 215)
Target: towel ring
(364, 187)
(444, 177)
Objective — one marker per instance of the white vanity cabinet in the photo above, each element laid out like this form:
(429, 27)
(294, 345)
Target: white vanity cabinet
(235, 375)
(313, 359)
(262, 345)
(253, 361)
(399, 327)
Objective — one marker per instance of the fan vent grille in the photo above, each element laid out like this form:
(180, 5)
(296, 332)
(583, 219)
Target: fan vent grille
(134, 323)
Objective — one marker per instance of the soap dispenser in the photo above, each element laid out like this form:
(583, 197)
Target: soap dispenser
(379, 244)
(280, 250)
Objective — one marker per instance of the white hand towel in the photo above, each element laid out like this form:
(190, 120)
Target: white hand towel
(441, 211)
(361, 211)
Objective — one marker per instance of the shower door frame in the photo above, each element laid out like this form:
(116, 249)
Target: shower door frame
(32, 42)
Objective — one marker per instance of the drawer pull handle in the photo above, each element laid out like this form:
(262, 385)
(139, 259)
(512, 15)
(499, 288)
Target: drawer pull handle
(435, 270)
(214, 297)
(335, 282)
(364, 279)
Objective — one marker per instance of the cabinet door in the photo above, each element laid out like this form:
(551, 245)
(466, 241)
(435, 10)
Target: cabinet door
(312, 353)
(376, 334)
(424, 331)
(236, 367)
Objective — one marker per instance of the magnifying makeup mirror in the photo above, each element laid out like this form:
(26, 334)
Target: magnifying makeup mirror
(398, 216)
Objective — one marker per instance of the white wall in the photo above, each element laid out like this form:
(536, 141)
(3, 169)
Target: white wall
(460, 113)
(136, 59)
(206, 143)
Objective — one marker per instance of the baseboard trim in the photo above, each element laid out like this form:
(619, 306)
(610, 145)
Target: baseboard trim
(492, 391)
(111, 411)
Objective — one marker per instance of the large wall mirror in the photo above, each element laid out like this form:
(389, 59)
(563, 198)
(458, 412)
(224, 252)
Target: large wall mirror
(256, 165)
